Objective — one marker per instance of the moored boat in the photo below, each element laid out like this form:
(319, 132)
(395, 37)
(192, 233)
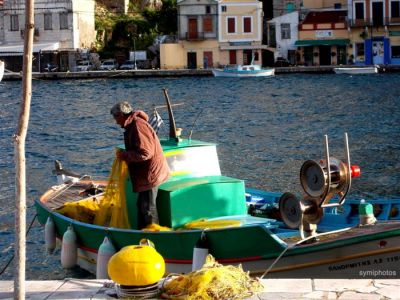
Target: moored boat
(285, 238)
(243, 71)
(356, 70)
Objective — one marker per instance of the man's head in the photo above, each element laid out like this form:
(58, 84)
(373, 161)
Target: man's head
(121, 112)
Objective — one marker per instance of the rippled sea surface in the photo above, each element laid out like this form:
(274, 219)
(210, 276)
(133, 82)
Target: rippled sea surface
(265, 127)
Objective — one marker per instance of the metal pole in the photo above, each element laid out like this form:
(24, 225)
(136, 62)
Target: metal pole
(19, 155)
(134, 52)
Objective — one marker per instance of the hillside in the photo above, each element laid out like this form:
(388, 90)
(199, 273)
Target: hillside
(118, 33)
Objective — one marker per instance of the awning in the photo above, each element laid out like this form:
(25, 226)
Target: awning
(244, 47)
(18, 49)
(333, 42)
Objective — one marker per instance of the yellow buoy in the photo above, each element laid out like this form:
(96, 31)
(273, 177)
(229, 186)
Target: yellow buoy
(136, 265)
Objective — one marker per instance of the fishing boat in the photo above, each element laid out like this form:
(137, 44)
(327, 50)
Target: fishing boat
(320, 234)
(1, 70)
(243, 71)
(356, 70)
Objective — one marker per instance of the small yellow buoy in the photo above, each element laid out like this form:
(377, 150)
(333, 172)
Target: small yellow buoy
(136, 265)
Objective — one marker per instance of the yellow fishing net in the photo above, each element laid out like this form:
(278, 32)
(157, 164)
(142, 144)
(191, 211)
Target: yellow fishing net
(212, 281)
(108, 209)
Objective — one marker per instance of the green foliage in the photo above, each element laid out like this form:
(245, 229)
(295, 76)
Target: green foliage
(119, 33)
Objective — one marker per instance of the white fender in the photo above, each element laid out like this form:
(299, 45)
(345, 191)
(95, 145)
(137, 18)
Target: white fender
(106, 250)
(50, 235)
(69, 250)
(200, 252)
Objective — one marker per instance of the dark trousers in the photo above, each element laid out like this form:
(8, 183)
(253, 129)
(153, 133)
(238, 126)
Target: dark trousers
(147, 208)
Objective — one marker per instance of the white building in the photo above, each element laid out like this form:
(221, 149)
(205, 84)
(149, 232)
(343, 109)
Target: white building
(62, 27)
(283, 35)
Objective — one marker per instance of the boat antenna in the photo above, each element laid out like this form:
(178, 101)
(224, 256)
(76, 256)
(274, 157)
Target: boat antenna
(172, 126)
(194, 123)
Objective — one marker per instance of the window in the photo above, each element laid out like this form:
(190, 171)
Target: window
(208, 9)
(207, 24)
(395, 51)
(359, 11)
(231, 25)
(63, 20)
(14, 23)
(223, 8)
(48, 21)
(247, 24)
(285, 31)
(395, 9)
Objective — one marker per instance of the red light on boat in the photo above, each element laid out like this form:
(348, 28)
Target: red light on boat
(355, 171)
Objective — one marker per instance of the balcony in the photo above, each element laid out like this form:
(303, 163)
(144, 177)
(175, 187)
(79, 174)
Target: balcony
(193, 36)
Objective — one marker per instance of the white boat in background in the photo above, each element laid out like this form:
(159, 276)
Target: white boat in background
(1, 70)
(356, 70)
(243, 71)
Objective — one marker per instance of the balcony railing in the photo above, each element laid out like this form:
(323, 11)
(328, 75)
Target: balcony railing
(375, 23)
(193, 36)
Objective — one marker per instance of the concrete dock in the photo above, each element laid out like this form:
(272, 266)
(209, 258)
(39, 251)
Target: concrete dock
(12, 76)
(274, 289)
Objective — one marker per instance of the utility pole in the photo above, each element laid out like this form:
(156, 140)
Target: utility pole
(19, 154)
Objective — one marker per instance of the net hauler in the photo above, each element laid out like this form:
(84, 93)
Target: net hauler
(323, 182)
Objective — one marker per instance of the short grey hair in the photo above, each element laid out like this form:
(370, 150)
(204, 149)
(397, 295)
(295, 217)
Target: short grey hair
(121, 108)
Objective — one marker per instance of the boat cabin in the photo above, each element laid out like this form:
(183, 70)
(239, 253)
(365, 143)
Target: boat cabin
(196, 189)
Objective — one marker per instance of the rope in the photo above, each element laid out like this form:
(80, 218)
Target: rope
(298, 243)
(12, 257)
(64, 189)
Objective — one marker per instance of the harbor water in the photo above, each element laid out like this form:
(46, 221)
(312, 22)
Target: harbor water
(265, 128)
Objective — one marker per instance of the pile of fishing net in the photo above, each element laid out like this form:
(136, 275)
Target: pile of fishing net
(108, 209)
(212, 281)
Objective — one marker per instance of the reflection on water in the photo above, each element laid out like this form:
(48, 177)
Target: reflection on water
(265, 127)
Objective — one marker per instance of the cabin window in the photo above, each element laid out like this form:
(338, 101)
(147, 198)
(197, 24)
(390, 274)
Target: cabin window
(395, 9)
(395, 51)
(247, 24)
(231, 25)
(285, 31)
(359, 11)
(63, 20)
(207, 24)
(14, 23)
(48, 21)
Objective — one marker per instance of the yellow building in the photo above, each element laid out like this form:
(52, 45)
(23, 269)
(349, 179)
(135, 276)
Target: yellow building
(215, 33)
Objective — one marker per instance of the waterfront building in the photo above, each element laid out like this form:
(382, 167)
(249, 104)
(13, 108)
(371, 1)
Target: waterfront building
(197, 45)
(63, 30)
(323, 38)
(215, 33)
(282, 36)
(375, 31)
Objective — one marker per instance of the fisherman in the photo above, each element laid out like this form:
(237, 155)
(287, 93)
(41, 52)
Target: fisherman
(143, 154)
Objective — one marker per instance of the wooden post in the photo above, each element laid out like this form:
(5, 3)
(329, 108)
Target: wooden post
(19, 152)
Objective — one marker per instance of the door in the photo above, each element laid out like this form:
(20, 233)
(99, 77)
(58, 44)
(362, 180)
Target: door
(192, 34)
(247, 57)
(232, 57)
(191, 60)
(207, 59)
(308, 56)
(377, 52)
(341, 55)
(325, 55)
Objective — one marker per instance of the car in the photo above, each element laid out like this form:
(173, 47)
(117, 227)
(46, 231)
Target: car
(108, 65)
(83, 66)
(281, 62)
(128, 65)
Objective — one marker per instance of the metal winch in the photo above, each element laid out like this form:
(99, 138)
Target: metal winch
(321, 181)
